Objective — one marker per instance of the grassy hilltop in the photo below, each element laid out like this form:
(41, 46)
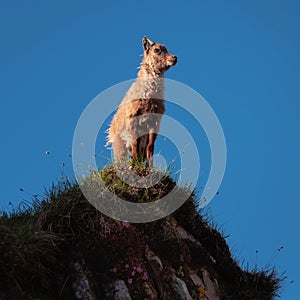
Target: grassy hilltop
(64, 248)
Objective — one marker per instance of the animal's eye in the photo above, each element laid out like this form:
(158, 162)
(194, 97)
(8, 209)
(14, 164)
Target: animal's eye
(157, 50)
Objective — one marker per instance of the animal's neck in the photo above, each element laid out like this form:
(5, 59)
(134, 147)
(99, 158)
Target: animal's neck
(149, 84)
(147, 71)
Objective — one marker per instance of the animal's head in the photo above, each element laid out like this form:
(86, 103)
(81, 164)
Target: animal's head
(157, 57)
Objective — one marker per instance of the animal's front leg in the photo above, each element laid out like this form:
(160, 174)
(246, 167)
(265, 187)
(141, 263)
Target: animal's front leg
(150, 148)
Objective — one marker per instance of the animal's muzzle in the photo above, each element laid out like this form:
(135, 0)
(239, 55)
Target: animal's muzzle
(173, 60)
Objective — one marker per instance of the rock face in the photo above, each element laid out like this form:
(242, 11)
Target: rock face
(66, 249)
(179, 289)
(81, 285)
(121, 291)
(160, 281)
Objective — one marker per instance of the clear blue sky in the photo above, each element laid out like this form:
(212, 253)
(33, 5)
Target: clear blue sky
(242, 56)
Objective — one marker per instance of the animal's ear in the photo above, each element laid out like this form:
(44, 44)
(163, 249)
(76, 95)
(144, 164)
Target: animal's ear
(147, 43)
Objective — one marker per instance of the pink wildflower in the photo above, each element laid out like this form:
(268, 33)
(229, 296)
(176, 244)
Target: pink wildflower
(139, 270)
(145, 276)
(102, 221)
(130, 280)
(133, 273)
(125, 224)
(114, 270)
(127, 266)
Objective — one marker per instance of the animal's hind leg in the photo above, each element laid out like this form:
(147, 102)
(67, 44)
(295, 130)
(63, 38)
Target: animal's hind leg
(132, 128)
(134, 150)
(119, 148)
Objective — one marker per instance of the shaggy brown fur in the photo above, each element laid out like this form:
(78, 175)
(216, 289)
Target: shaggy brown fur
(135, 126)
